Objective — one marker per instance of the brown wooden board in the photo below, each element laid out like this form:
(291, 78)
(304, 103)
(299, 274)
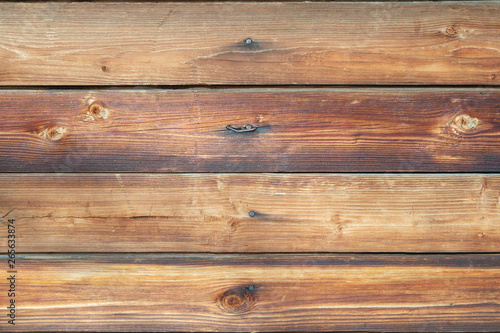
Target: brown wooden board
(298, 130)
(250, 166)
(166, 292)
(252, 212)
(122, 43)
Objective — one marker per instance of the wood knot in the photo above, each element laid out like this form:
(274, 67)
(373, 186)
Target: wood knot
(450, 31)
(97, 111)
(53, 133)
(234, 224)
(465, 123)
(238, 300)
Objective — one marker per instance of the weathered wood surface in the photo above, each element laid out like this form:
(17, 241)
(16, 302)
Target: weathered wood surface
(305, 130)
(291, 213)
(95, 250)
(165, 43)
(169, 292)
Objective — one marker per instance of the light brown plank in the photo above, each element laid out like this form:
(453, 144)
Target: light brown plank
(293, 213)
(290, 43)
(298, 130)
(256, 293)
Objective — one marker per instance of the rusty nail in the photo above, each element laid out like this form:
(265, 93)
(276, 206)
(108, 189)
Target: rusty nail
(247, 128)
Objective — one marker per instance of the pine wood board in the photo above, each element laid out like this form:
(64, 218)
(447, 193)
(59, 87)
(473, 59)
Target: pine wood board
(297, 130)
(166, 292)
(252, 212)
(248, 43)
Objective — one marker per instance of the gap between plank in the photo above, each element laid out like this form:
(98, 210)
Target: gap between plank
(244, 86)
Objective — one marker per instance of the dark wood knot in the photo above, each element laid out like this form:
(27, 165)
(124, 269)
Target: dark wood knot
(238, 299)
(98, 111)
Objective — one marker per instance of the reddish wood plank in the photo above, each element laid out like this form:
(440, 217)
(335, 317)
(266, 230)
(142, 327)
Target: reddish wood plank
(67, 43)
(298, 130)
(256, 293)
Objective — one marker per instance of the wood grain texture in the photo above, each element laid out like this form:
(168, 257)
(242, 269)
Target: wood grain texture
(292, 213)
(162, 43)
(298, 130)
(257, 293)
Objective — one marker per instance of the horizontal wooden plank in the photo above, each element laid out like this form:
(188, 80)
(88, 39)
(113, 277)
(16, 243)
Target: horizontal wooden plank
(164, 43)
(255, 293)
(297, 130)
(252, 212)
(269, 0)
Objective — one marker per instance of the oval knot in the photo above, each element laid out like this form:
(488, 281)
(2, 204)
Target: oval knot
(53, 133)
(98, 111)
(466, 123)
(238, 300)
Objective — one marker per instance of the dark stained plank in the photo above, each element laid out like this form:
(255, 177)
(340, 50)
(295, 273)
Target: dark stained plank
(168, 292)
(252, 212)
(57, 43)
(298, 130)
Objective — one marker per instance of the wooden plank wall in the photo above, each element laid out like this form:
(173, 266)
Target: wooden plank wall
(250, 166)
(454, 43)
(296, 130)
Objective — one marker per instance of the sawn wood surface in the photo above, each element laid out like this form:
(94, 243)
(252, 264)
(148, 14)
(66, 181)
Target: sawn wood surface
(163, 43)
(167, 292)
(296, 130)
(252, 212)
